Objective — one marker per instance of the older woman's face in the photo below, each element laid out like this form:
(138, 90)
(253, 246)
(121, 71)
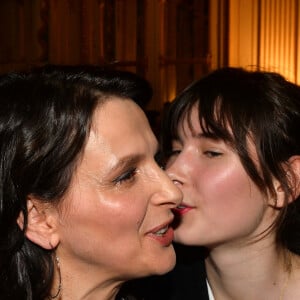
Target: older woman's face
(115, 219)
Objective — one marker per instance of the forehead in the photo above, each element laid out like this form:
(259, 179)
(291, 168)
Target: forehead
(120, 123)
(119, 113)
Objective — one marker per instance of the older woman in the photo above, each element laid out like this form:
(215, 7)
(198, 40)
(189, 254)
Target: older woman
(83, 204)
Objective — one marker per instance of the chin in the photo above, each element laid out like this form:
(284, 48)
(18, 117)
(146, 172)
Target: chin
(164, 263)
(181, 237)
(166, 269)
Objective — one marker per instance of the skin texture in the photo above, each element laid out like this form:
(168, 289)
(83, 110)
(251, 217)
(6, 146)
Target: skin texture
(223, 199)
(224, 211)
(118, 197)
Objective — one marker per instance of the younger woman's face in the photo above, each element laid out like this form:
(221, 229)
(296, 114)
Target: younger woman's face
(221, 203)
(115, 219)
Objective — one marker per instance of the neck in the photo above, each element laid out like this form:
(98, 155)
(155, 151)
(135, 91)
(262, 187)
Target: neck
(99, 292)
(81, 283)
(252, 271)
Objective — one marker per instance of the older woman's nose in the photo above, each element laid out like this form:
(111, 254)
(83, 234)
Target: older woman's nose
(168, 192)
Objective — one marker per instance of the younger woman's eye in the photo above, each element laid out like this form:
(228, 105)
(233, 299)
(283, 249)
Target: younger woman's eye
(125, 177)
(212, 154)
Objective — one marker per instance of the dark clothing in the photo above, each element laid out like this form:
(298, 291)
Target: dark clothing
(186, 282)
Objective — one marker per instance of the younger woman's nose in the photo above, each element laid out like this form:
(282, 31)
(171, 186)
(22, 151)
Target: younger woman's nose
(177, 182)
(174, 174)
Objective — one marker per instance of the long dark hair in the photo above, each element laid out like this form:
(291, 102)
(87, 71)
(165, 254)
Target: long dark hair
(45, 119)
(236, 106)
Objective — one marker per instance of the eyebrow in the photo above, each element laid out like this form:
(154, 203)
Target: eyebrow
(126, 161)
(132, 159)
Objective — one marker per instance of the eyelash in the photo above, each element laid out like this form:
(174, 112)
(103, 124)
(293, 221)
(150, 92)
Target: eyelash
(208, 153)
(212, 154)
(127, 176)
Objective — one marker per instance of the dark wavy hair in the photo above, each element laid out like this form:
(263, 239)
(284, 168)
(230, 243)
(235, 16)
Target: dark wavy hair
(237, 105)
(45, 119)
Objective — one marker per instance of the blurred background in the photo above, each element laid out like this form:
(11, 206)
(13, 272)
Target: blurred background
(169, 42)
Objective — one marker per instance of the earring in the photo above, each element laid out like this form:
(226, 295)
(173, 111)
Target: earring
(59, 278)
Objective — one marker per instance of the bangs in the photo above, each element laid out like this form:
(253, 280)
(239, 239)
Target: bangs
(215, 119)
(176, 119)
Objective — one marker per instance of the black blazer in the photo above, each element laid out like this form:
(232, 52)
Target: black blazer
(187, 281)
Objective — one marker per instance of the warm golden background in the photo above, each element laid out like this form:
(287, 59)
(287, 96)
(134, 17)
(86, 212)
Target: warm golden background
(170, 42)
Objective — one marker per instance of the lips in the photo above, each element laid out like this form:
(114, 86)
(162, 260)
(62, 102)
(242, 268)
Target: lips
(163, 233)
(181, 209)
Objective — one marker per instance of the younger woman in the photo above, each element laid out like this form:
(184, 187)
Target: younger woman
(232, 145)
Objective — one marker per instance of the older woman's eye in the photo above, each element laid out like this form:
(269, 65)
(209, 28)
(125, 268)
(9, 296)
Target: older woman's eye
(126, 176)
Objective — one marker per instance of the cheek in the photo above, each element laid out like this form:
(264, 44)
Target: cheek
(99, 220)
(228, 205)
(235, 205)
(225, 187)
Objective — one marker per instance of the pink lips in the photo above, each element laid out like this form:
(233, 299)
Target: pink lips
(182, 209)
(164, 234)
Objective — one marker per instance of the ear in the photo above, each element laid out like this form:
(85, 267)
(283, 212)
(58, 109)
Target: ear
(42, 224)
(293, 176)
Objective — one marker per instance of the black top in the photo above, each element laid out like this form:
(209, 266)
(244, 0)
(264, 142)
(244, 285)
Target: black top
(186, 282)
